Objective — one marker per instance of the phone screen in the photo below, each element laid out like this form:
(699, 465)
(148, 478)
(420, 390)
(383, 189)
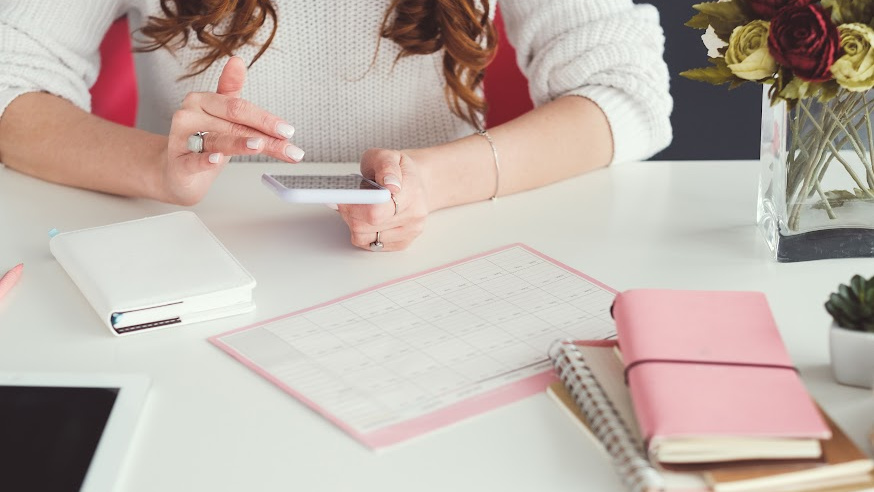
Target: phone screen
(342, 182)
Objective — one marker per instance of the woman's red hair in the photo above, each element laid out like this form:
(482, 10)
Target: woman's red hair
(461, 28)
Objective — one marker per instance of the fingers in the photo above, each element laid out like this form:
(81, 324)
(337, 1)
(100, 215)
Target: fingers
(228, 138)
(187, 172)
(240, 111)
(395, 239)
(227, 144)
(385, 166)
(235, 126)
(237, 140)
(232, 78)
(203, 162)
(399, 221)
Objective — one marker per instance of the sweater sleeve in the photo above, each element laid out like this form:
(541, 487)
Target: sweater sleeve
(52, 46)
(609, 51)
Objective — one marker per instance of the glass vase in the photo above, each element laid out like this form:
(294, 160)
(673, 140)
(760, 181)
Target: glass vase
(816, 185)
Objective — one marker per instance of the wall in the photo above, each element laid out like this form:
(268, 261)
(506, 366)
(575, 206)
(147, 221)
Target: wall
(710, 122)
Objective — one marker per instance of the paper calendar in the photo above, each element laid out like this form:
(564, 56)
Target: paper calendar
(418, 353)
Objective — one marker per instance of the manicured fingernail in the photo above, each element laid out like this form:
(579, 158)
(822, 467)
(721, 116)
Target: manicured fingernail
(332, 206)
(215, 158)
(295, 153)
(391, 179)
(254, 143)
(284, 130)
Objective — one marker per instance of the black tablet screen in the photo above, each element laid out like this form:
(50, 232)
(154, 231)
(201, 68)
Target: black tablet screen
(48, 435)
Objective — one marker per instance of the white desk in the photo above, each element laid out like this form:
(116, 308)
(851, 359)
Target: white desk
(211, 424)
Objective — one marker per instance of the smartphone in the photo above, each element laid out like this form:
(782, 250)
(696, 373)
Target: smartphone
(349, 188)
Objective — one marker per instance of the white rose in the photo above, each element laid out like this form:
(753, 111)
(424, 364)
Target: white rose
(854, 70)
(747, 55)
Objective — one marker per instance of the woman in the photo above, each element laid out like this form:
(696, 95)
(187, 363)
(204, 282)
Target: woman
(401, 78)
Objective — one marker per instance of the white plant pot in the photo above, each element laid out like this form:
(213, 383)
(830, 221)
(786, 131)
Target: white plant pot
(852, 356)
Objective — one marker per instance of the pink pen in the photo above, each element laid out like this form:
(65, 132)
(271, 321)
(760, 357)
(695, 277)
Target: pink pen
(9, 279)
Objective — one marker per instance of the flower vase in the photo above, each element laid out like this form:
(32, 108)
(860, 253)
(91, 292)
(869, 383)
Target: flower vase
(816, 185)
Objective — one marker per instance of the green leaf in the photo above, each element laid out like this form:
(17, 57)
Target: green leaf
(840, 318)
(711, 75)
(736, 82)
(848, 11)
(723, 16)
(869, 294)
(838, 302)
(743, 5)
(717, 74)
(843, 305)
(796, 89)
(698, 21)
(845, 293)
(828, 91)
(857, 285)
(832, 310)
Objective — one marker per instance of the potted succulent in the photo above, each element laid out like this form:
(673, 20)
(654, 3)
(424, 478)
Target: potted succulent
(851, 336)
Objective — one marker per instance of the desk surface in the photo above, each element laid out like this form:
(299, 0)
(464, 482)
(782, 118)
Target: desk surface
(211, 424)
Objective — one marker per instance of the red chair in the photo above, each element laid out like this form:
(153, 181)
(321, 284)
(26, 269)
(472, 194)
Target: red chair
(114, 94)
(506, 89)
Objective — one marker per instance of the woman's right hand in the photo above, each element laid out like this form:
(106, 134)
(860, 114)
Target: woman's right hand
(234, 127)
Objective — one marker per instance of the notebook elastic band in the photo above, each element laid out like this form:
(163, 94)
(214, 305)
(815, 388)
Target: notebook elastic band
(636, 363)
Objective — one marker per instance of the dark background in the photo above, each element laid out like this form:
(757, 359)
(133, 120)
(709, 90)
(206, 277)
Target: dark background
(709, 122)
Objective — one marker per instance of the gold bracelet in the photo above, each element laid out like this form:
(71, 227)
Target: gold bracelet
(497, 165)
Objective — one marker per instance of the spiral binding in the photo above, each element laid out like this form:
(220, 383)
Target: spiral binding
(635, 471)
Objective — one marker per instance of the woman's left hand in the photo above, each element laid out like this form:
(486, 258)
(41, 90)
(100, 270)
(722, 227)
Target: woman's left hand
(400, 220)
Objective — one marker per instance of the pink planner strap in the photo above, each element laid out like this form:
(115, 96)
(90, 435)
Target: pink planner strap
(636, 363)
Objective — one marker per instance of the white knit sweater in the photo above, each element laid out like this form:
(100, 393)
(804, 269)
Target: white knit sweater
(315, 73)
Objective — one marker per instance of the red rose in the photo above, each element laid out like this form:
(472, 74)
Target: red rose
(766, 9)
(804, 40)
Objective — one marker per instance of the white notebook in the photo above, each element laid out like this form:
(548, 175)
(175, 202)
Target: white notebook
(154, 272)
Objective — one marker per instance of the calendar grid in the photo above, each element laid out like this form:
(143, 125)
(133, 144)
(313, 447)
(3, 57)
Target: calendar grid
(381, 358)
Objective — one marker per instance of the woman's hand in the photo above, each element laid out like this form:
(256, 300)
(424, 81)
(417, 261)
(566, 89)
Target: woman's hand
(400, 220)
(234, 127)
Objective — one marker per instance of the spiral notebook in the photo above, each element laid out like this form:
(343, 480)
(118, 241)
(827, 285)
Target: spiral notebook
(425, 351)
(593, 392)
(604, 420)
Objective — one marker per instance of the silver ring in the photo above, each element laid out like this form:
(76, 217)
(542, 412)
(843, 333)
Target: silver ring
(195, 142)
(376, 245)
(395, 202)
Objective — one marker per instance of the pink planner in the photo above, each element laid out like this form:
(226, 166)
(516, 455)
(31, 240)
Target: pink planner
(419, 353)
(710, 378)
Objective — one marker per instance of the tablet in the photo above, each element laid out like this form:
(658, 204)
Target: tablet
(66, 431)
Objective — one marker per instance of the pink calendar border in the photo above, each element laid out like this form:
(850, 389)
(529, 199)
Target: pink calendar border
(394, 434)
